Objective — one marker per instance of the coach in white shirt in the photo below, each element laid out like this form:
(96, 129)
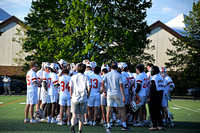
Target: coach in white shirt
(115, 93)
(79, 91)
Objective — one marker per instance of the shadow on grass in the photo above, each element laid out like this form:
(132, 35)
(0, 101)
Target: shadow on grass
(19, 126)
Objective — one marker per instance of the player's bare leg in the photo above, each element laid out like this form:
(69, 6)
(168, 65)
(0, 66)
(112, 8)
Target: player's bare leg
(26, 113)
(109, 113)
(90, 114)
(38, 104)
(53, 109)
(74, 117)
(61, 112)
(31, 110)
(103, 108)
(69, 113)
(81, 119)
(96, 112)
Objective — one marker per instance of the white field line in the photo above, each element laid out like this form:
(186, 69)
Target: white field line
(187, 108)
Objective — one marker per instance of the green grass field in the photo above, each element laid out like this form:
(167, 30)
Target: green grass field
(186, 118)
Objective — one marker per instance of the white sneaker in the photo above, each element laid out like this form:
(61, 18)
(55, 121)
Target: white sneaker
(27, 120)
(48, 119)
(94, 123)
(90, 123)
(61, 123)
(68, 123)
(53, 120)
(33, 121)
(139, 124)
(44, 120)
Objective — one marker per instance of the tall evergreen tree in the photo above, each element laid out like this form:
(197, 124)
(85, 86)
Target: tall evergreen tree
(186, 56)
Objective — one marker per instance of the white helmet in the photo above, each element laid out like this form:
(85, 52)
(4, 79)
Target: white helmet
(87, 63)
(163, 71)
(104, 66)
(43, 65)
(93, 64)
(62, 63)
(54, 66)
(46, 65)
(72, 66)
(122, 65)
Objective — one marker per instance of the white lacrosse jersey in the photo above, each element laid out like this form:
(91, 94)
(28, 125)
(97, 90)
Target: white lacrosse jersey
(158, 81)
(39, 75)
(79, 84)
(125, 79)
(96, 84)
(142, 79)
(53, 80)
(64, 86)
(30, 78)
(168, 82)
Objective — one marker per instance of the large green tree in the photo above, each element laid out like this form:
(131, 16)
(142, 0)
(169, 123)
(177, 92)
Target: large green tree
(99, 30)
(186, 56)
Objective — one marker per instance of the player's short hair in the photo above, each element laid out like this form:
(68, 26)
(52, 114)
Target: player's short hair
(81, 68)
(65, 71)
(114, 65)
(32, 64)
(105, 70)
(150, 64)
(89, 67)
(97, 70)
(125, 69)
(119, 70)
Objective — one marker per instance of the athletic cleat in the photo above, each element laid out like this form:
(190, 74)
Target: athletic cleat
(108, 129)
(27, 120)
(94, 123)
(61, 123)
(48, 119)
(125, 128)
(72, 128)
(44, 120)
(153, 129)
(33, 121)
(53, 120)
(90, 123)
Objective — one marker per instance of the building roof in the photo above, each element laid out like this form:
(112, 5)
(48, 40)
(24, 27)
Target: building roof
(4, 15)
(10, 20)
(177, 24)
(165, 27)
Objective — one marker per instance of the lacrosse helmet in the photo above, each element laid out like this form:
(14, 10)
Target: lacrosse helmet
(104, 66)
(163, 71)
(122, 65)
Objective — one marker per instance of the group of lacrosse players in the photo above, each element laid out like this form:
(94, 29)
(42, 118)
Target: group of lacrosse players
(111, 95)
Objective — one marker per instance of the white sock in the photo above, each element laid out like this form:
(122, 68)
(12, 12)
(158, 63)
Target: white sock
(109, 125)
(124, 124)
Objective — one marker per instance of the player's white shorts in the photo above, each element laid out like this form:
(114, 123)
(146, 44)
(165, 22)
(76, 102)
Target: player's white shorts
(142, 100)
(164, 102)
(39, 93)
(51, 98)
(43, 96)
(65, 101)
(115, 98)
(94, 101)
(31, 98)
(115, 105)
(103, 100)
(128, 99)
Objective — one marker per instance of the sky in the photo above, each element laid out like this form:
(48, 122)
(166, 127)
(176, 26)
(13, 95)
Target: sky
(163, 10)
